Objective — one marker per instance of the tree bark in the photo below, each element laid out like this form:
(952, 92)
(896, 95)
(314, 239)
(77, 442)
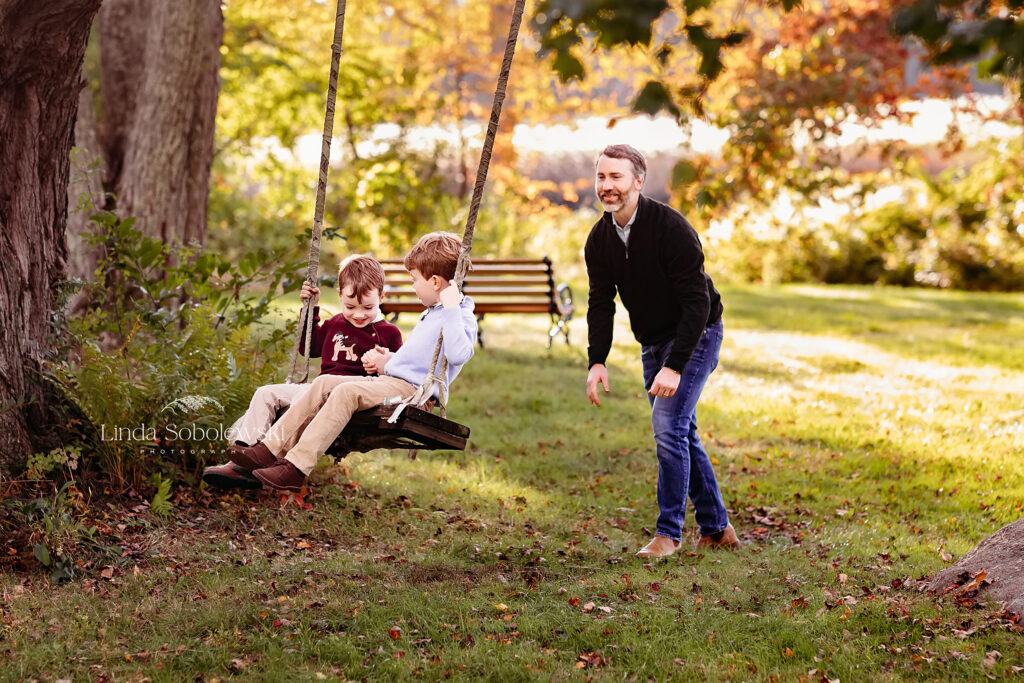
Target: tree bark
(160, 63)
(43, 46)
(85, 189)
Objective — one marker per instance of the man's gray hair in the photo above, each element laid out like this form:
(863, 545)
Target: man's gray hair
(628, 152)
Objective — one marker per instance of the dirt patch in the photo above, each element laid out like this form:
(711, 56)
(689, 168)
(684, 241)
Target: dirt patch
(994, 569)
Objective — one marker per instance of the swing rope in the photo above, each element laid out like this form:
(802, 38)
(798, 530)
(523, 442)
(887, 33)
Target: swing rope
(435, 378)
(306, 315)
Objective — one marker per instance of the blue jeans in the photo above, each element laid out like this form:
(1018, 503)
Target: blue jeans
(683, 464)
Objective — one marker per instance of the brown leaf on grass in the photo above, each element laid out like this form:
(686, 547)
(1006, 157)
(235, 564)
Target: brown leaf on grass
(107, 573)
(590, 659)
(787, 652)
(574, 601)
(589, 607)
(799, 603)
(395, 632)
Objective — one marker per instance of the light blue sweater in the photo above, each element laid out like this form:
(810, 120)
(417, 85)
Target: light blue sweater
(412, 361)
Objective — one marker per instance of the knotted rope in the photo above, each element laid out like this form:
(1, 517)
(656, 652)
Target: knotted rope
(434, 379)
(306, 315)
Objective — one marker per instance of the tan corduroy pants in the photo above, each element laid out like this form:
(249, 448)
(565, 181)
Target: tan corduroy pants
(314, 421)
(266, 402)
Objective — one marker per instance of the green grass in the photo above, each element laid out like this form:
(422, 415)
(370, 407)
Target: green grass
(859, 434)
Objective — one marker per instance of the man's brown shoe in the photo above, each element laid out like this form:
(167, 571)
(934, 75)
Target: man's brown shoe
(281, 476)
(726, 539)
(660, 546)
(230, 476)
(251, 457)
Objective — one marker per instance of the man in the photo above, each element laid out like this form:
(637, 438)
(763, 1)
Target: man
(652, 256)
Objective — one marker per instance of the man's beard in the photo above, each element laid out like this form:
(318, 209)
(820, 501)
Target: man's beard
(613, 201)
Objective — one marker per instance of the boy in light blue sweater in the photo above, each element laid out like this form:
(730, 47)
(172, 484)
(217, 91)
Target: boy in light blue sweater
(291, 449)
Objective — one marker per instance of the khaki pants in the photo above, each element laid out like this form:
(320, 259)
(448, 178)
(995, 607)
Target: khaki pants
(266, 402)
(316, 419)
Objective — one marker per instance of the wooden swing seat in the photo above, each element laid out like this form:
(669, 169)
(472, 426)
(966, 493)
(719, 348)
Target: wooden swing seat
(416, 429)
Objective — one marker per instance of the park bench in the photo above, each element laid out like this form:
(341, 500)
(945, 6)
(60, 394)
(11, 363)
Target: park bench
(496, 286)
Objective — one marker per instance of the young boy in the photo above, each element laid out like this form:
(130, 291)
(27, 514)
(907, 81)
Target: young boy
(294, 444)
(341, 342)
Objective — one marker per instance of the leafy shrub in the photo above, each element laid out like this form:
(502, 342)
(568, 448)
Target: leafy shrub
(962, 229)
(174, 341)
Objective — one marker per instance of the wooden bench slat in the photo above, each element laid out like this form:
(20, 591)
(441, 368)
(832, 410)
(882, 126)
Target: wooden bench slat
(497, 286)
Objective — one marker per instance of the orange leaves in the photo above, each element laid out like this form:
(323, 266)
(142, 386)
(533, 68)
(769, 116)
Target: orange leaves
(590, 659)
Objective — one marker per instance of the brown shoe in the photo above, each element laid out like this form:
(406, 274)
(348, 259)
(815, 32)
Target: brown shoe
(230, 476)
(281, 476)
(726, 539)
(660, 546)
(252, 457)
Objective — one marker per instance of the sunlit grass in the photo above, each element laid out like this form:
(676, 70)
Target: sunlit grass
(858, 434)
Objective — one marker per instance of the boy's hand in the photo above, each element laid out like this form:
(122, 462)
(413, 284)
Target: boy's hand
(310, 292)
(375, 359)
(451, 297)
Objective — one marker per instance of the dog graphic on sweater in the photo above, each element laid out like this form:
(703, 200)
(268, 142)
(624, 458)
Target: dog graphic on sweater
(339, 345)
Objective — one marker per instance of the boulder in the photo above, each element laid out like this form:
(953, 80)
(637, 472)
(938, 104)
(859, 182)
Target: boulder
(995, 569)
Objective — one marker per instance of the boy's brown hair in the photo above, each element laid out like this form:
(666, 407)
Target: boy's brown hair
(436, 253)
(362, 273)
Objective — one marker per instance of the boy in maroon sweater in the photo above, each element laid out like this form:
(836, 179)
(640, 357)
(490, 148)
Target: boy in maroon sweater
(340, 342)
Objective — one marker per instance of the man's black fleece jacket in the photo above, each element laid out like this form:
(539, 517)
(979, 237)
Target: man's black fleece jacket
(659, 277)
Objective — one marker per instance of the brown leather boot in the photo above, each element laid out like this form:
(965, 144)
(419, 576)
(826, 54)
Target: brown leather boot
(726, 539)
(281, 476)
(660, 546)
(251, 457)
(230, 476)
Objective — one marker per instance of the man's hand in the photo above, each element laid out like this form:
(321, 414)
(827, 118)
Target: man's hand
(665, 384)
(451, 297)
(598, 373)
(375, 359)
(310, 292)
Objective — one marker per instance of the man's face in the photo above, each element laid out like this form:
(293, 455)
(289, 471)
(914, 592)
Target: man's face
(360, 311)
(615, 184)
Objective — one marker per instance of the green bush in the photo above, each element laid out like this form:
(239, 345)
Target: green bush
(171, 347)
(962, 229)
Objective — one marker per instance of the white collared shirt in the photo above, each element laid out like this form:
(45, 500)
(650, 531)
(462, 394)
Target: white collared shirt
(623, 232)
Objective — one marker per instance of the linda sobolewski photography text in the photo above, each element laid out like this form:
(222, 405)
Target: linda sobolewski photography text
(171, 435)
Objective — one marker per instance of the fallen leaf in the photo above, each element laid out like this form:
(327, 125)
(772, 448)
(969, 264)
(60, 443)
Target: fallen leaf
(395, 632)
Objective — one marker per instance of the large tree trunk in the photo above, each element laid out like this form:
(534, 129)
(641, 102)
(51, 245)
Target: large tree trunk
(43, 46)
(160, 84)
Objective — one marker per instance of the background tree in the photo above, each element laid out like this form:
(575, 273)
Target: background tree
(155, 143)
(43, 46)
(960, 30)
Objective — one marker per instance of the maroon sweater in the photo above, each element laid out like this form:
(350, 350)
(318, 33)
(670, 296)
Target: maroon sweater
(341, 344)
